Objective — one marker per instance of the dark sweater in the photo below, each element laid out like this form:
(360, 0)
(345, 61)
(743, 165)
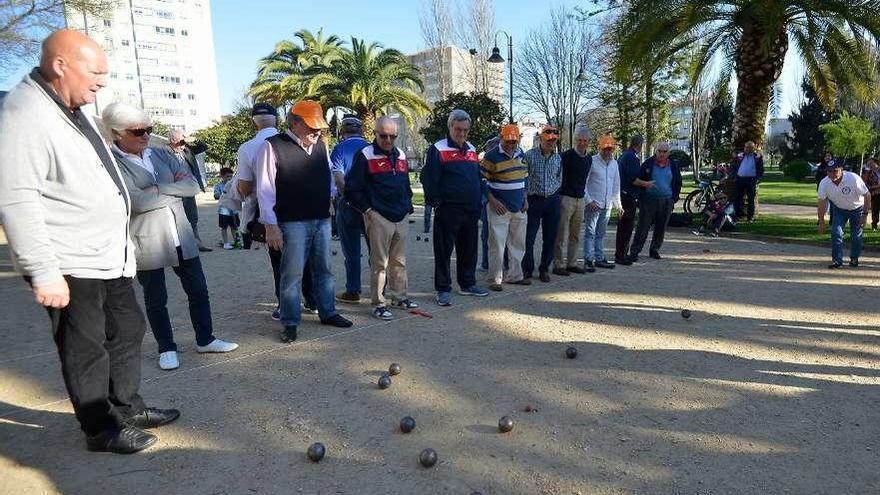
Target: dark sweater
(380, 180)
(451, 176)
(302, 181)
(574, 173)
(647, 169)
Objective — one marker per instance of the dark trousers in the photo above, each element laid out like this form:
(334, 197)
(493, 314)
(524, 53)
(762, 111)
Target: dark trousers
(192, 279)
(427, 219)
(350, 223)
(746, 188)
(307, 291)
(875, 210)
(625, 224)
(543, 213)
(98, 336)
(192, 215)
(455, 228)
(652, 212)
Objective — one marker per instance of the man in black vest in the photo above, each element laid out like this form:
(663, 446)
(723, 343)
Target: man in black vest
(292, 172)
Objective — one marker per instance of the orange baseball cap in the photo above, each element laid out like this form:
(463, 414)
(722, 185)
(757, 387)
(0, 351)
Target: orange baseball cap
(510, 132)
(311, 113)
(607, 142)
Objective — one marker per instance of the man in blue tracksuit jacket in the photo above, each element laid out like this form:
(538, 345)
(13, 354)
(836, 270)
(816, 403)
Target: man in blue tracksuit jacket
(378, 187)
(453, 187)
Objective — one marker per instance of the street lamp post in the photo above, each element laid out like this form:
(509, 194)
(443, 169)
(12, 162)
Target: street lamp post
(496, 58)
(575, 86)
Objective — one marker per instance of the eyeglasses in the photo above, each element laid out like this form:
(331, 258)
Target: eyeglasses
(662, 151)
(551, 131)
(141, 132)
(511, 142)
(387, 136)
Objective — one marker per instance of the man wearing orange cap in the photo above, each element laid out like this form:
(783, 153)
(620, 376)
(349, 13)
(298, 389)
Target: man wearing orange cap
(602, 194)
(655, 205)
(506, 175)
(293, 190)
(545, 179)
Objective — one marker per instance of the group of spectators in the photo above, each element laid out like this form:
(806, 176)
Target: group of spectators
(86, 213)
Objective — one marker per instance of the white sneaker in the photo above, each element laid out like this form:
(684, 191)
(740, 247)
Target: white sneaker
(227, 246)
(217, 345)
(168, 360)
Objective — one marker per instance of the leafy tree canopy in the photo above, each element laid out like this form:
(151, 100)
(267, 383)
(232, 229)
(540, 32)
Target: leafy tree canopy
(487, 117)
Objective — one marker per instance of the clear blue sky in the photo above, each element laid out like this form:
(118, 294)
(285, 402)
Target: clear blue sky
(244, 32)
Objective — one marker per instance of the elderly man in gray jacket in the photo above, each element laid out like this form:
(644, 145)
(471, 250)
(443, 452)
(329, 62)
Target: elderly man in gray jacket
(65, 210)
(162, 234)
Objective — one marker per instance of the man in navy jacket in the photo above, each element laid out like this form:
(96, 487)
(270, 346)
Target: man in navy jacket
(453, 187)
(378, 186)
(656, 203)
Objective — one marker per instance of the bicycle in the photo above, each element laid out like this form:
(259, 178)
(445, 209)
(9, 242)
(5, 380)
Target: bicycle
(697, 200)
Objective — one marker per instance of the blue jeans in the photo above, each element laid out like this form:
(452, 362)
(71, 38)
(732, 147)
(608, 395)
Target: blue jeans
(839, 217)
(543, 213)
(192, 279)
(595, 226)
(301, 239)
(350, 224)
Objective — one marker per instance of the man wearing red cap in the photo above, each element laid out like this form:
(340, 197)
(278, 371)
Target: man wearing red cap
(545, 179)
(294, 190)
(506, 174)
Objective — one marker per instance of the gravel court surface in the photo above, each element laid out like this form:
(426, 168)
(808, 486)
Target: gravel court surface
(770, 387)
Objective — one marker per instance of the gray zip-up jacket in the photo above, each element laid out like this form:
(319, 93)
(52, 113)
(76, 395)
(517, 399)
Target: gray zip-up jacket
(62, 212)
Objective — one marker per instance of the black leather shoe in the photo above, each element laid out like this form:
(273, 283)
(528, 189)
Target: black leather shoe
(835, 265)
(125, 441)
(655, 255)
(589, 267)
(153, 418)
(624, 262)
(561, 271)
(632, 258)
(337, 321)
(604, 264)
(854, 263)
(574, 269)
(203, 249)
(544, 277)
(288, 335)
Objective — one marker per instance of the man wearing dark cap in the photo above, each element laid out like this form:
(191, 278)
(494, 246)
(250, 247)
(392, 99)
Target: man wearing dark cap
(850, 201)
(349, 222)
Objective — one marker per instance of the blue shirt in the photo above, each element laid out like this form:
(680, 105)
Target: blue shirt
(747, 166)
(662, 177)
(343, 153)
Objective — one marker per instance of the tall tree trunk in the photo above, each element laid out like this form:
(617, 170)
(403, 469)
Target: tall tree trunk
(649, 113)
(369, 120)
(757, 68)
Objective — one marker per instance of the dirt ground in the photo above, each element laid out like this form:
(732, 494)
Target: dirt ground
(772, 386)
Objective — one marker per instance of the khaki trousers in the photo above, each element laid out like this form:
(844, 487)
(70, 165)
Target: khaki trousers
(387, 256)
(507, 230)
(570, 221)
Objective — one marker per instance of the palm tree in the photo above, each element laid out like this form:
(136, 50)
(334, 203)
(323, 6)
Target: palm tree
(370, 81)
(281, 74)
(751, 37)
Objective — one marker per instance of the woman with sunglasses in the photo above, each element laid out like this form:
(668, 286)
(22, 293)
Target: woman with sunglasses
(162, 235)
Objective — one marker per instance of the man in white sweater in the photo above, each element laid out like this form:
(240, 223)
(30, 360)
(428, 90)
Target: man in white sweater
(602, 194)
(65, 209)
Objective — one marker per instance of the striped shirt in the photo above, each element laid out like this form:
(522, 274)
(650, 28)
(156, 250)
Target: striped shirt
(545, 172)
(506, 177)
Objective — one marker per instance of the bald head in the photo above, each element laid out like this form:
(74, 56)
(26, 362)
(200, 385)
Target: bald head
(74, 65)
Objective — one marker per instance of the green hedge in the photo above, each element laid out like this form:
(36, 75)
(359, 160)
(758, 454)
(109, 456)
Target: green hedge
(797, 169)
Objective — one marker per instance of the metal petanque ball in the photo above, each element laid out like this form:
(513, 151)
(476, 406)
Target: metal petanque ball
(418, 238)
(571, 352)
(407, 424)
(394, 369)
(316, 452)
(426, 238)
(428, 458)
(384, 381)
(505, 424)
(685, 313)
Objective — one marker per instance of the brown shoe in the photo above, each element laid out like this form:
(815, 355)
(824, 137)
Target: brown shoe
(575, 269)
(348, 297)
(496, 287)
(562, 272)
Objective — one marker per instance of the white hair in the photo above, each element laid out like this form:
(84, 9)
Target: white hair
(120, 116)
(174, 133)
(457, 115)
(663, 144)
(583, 133)
(263, 121)
(386, 120)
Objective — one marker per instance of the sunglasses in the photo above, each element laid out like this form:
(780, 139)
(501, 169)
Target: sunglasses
(387, 136)
(141, 132)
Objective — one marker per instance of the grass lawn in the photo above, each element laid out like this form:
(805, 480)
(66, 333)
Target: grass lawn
(779, 190)
(801, 229)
